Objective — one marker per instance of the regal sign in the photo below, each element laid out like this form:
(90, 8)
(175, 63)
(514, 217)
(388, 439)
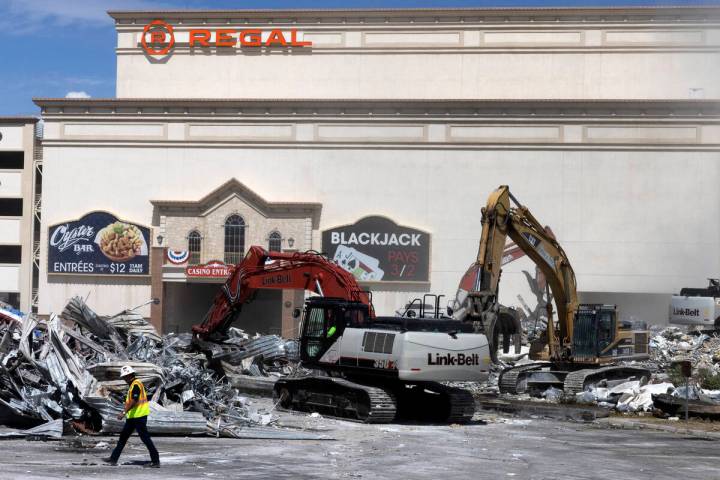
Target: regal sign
(212, 269)
(376, 249)
(159, 38)
(99, 244)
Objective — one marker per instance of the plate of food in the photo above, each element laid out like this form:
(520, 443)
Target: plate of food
(121, 241)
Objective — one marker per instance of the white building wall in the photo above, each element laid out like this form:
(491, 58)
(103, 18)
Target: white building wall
(10, 278)
(625, 218)
(606, 75)
(480, 53)
(629, 188)
(17, 138)
(12, 137)
(11, 184)
(10, 231)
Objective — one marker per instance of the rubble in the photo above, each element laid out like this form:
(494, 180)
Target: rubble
(667, 345)
(51, 429)
(67, 369)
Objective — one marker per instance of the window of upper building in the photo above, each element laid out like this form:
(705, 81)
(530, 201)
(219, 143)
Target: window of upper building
(12, 160)
(10, 254)
(194, 247)
(275, 242)
(11, 207)
(234, 239)
(11, 298)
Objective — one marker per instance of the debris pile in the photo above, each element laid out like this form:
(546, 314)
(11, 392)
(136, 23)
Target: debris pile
(664, 390)
(68, 368)
(671, 344)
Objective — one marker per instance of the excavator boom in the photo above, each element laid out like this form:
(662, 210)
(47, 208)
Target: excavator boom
(500, 220)
(261, 269)
(585, 336)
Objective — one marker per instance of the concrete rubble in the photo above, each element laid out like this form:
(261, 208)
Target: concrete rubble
(662, 394)
(66, 370)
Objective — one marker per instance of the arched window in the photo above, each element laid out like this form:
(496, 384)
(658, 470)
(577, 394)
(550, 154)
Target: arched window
(275, 242)
(194, 247)
(234, 239)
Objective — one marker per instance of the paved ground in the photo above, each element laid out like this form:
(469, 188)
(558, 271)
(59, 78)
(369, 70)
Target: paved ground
(518, 449)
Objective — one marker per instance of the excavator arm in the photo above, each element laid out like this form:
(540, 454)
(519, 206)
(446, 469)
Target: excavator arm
(261, 269)
(500, 220)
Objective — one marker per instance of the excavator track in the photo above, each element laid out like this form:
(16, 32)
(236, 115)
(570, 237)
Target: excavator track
(336, 397)
(576, 381)
(509, 378)
(461, 403)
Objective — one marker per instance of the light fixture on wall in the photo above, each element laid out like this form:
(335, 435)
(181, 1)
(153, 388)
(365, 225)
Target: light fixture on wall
(291, 242)
(160, 239)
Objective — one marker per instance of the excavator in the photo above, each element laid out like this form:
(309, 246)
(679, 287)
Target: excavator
(369, 369)
(587, 342)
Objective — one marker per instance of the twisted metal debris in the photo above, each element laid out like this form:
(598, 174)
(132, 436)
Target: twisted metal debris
(68, 368)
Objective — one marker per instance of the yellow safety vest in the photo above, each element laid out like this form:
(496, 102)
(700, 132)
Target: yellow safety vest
(142, 407)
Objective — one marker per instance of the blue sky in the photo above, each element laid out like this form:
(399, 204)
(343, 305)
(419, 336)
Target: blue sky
(49, 48)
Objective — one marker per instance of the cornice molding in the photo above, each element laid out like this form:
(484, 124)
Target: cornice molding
(428, 14)
(374, 108)
(18, 120)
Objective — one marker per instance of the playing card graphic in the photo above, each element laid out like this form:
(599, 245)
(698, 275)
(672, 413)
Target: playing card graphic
(362, 266)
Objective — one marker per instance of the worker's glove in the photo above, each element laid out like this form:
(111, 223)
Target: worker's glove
(121, 415)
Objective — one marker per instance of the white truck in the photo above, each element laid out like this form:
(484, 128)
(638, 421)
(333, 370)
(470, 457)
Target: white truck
(697, 306)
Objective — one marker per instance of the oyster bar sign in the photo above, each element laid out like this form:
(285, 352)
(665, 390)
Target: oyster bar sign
(159, 38)
(98, 244)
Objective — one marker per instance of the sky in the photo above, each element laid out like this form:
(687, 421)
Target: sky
(59, 48)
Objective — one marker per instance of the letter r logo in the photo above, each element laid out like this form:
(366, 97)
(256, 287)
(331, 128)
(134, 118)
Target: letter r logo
(161, 38)
(157, 37)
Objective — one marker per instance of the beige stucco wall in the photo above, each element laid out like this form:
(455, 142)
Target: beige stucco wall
(519, 54)
(629, 188)
(632, 219)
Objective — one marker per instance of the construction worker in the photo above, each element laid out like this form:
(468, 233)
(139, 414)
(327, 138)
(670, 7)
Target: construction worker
(136, 412)
(332, 324)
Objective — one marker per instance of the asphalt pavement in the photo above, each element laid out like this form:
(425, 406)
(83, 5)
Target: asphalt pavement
(504, 447)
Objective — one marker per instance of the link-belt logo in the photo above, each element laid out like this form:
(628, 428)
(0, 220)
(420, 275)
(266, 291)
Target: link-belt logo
(687, 312)
(278, 279)
(159, 38)
(459, 359)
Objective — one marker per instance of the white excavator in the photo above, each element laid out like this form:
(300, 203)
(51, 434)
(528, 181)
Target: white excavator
(367, 368)
(697, 307)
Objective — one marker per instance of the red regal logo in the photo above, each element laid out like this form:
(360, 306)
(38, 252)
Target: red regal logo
(162, 38)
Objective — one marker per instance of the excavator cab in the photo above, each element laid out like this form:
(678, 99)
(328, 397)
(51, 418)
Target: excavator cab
(325, 320)
(593, 331)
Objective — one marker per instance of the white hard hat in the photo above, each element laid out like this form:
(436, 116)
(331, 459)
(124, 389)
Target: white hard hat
(126, 370)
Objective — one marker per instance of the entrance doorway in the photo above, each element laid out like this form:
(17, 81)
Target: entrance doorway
(186, 304)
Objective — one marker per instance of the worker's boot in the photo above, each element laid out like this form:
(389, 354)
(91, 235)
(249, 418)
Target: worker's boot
(152, 465)
(110, 461)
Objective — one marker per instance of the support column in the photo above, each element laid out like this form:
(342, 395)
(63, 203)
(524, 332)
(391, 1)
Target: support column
(156, 287)
(291, 299)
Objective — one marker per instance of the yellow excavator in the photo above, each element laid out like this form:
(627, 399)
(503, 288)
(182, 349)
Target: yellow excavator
(587, 342)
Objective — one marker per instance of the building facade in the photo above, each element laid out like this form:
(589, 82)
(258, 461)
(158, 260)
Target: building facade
(20, 175)
(376, 137)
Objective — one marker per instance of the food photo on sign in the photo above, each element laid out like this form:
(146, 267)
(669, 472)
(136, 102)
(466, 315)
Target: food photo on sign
(121, 242)
(376, 249)
(99, 243)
